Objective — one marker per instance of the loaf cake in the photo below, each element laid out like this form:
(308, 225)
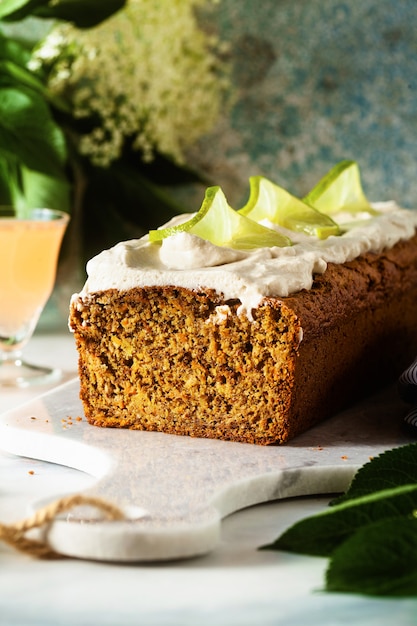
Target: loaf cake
(255, 346)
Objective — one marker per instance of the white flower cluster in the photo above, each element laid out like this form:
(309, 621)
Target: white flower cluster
(149, 75)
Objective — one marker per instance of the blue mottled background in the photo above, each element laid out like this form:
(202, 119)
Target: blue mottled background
(318, 81)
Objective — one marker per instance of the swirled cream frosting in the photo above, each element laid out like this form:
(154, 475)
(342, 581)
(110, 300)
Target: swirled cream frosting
(185, 260)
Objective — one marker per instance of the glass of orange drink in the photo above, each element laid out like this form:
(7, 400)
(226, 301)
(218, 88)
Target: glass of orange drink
(30, 240)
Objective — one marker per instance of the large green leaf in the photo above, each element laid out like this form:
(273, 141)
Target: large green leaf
(380, 560)
(29, 133)
(14, 59)
(321, 534)
(13, 75)
(19, 9)
(8, 183)
(162, 170)
(121, 203)
(83, 13)
(12, 50)
(370, 535)
(390, 469)
(45, 192)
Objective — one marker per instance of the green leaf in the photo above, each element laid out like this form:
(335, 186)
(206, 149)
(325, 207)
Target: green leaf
(18, 9)
(45, 192)
(379, 559)
(121, 202)
(7, 183)
(388, 470)
(18, 76)
(29, 133)
(370, 533)
(13, 75)
(139, 199)
(12, 50)
(162, 170)
(320, 534)
(82, 13)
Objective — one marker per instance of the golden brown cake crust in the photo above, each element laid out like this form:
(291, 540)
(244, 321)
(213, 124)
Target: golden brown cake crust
(169, 359)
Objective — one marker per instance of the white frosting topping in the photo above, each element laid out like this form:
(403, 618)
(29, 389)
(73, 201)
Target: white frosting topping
(185, 260)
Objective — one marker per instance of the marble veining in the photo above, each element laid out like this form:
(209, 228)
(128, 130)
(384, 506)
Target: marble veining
(176, 490)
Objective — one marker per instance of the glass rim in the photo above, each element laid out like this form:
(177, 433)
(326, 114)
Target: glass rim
(32, 214)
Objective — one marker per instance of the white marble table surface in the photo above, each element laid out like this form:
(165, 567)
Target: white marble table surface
(235, 584)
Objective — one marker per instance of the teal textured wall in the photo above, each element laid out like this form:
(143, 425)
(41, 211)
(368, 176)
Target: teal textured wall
(318, 81)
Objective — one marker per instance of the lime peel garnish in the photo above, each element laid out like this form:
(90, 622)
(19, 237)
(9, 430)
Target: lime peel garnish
(218, 223)
(268, 201)
(340, 190)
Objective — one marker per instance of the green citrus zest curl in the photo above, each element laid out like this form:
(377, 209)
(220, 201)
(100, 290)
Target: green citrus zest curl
(340, 190)
(218, 223)
(268, 201)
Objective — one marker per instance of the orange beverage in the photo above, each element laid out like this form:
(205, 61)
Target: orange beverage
(29, 251)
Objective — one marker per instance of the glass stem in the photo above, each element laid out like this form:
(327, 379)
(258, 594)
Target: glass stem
(11, 356)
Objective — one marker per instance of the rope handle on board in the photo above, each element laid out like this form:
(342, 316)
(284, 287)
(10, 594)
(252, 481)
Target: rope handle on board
(15, 534)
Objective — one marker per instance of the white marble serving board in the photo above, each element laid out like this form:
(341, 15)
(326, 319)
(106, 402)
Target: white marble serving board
(176, 490)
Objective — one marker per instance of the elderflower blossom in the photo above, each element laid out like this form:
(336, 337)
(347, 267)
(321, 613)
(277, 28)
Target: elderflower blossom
(148, 74)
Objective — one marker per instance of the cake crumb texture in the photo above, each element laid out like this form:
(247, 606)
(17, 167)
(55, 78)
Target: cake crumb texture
(184, 362)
